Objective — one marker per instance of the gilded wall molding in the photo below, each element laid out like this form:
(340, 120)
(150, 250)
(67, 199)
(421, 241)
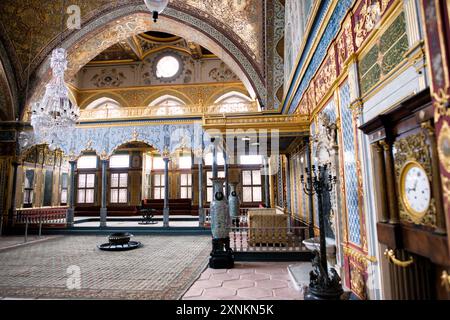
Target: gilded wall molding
(358, 256)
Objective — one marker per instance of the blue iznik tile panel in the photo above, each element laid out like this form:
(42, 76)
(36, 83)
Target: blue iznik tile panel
(330, 111)
(107, 139)
(280, 182)
(350, 169)
(331, 31)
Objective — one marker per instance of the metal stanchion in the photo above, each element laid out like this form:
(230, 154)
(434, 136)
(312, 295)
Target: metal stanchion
(40, 227)
(26, 231)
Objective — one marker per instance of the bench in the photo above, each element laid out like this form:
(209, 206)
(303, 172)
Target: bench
(54, 217)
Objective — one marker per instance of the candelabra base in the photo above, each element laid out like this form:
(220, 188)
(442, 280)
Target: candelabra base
(324, 293)
(322, 285)
(221, 255)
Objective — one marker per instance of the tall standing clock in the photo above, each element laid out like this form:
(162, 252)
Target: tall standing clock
(415, 189)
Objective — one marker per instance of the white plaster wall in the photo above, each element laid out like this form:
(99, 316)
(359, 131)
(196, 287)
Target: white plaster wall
(403, 86)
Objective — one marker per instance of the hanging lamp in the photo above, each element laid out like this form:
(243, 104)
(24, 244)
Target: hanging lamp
(156, 7)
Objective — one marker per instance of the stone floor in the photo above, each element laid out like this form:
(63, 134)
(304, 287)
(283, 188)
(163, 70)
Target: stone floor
(17, 241)
(247, 281)
(72, 267)
(164, 268)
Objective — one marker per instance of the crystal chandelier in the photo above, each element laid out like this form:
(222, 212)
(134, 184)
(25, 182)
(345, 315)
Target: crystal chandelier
(156, 6)
(54, 117)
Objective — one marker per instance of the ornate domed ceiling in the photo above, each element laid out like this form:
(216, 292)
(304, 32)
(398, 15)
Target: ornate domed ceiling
(234, 30)
(37, 24)
(136, 48)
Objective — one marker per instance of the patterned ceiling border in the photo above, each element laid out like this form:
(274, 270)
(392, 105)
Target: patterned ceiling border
(42, 73)
(292, 98)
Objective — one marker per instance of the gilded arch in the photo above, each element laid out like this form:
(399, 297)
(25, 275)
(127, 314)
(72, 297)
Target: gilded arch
(129, 20)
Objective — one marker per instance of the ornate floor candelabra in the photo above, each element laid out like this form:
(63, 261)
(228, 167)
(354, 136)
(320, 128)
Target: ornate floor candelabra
(322, 286)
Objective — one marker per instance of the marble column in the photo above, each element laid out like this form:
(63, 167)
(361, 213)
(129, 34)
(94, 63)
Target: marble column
(201, 211)
(214, 162)
(166, 192)
(71, 203)
(103, 209)
(215, 172)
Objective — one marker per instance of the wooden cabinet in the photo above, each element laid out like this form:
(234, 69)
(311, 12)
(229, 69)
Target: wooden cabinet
(409, 196)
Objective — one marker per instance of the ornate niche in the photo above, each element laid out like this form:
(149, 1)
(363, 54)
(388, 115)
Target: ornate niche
(414, 149)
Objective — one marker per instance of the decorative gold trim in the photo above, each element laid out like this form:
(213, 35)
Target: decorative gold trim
(158, 86)
(106, 62)
(359, 256)
(388, 16)
(444, 146)
(147, 37)
(390, 256)
(385, 22)
(416, 215)
(445, 280)
(441, 104)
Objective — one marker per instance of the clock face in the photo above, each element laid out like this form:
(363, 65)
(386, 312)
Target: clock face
(415, 189)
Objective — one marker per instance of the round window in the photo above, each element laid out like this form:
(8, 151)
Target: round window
(167, 67)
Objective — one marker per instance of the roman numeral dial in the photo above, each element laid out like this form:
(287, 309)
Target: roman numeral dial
(415, 189)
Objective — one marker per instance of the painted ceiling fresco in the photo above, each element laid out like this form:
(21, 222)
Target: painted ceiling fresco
(37, 23)
(243, 17)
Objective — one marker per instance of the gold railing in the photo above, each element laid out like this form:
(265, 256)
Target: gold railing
(171, 111)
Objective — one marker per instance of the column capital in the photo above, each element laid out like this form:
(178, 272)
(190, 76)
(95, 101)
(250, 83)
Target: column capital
(198, 153)
(166, 153)
(104, 156)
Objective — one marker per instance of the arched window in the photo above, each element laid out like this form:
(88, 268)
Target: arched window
(167, 106)
(104, 108)
(103, 103)
(233, 102)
